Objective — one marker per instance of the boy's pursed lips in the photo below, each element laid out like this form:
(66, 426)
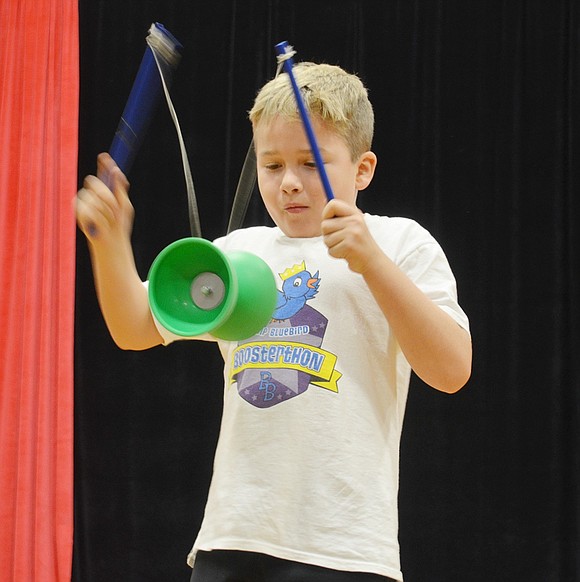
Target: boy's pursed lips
(295, 207)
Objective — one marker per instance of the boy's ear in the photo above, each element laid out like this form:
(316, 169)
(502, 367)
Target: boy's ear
(365, 170)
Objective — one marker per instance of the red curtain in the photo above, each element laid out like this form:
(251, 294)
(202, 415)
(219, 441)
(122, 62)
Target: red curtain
(38, 179)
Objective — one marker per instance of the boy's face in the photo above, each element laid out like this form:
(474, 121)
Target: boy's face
(289, 181)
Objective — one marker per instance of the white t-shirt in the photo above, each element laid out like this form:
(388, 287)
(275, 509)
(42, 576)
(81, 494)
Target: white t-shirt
(307, 462)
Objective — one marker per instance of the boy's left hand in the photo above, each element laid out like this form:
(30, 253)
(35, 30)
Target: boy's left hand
(346, 235)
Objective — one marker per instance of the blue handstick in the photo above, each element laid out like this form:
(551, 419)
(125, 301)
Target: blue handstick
(145, 95)
(283, 49)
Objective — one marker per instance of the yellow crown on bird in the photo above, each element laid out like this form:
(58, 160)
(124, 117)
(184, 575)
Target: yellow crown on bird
(289, 272)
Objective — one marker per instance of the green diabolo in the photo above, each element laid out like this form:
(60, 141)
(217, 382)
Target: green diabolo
(195, 288)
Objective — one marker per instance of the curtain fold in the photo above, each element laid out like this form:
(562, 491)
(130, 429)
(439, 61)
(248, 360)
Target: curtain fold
(38, 179)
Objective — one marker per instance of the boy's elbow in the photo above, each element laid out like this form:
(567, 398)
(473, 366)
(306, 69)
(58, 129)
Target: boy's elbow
(134, 335)
(129, 346)
(457, 377)
(450, 371)
(132, 347)
(136, 343)
(456, 385)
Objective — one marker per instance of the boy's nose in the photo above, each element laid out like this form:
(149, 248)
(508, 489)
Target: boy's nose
(290, 182)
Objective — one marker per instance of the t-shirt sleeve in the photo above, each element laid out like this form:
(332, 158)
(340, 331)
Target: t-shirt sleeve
(427, 266)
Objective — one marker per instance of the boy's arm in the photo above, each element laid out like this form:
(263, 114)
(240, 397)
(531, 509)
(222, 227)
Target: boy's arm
(437, 348)
(105, 215)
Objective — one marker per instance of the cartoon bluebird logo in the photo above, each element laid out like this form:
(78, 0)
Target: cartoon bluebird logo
(286, 357)
(297, 288)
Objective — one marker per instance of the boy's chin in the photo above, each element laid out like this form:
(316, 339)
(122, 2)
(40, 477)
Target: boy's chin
(291, 232)
(299, 225)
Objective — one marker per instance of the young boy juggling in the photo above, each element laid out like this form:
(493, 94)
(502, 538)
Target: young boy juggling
(306, 470)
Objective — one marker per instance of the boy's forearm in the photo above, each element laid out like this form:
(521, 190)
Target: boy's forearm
(437, 348)
(123, 298)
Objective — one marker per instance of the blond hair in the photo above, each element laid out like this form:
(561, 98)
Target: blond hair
(339, 99)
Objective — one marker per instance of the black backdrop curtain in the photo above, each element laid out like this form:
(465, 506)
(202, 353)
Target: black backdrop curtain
(478, 138)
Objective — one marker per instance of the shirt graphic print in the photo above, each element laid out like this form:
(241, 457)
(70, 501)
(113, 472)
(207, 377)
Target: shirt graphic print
(286, 357)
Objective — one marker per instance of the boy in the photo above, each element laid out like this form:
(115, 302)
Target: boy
(306, 469)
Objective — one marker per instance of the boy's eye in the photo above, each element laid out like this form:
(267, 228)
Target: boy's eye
(272, 166)
(310, 164)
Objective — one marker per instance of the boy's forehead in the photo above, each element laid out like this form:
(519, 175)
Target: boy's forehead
(271, 139)
(284, 132)
(266, 123)
(284, 136)
(284, 123)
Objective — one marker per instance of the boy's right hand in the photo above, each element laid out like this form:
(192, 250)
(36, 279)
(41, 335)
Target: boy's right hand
(105, 215)
(104, 212)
